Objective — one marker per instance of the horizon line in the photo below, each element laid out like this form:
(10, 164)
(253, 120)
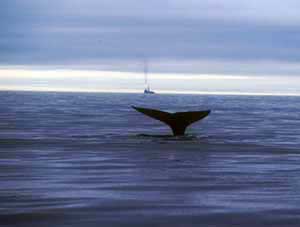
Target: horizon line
(157, 92)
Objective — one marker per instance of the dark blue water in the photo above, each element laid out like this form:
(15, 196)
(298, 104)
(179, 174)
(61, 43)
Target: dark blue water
(77, 159)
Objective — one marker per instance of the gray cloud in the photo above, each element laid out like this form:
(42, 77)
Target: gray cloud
(55, 32)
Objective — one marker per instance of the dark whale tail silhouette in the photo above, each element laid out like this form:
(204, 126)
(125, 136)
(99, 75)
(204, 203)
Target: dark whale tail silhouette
(178, 121)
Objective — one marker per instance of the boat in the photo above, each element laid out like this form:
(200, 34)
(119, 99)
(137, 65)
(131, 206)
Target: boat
(147, 89)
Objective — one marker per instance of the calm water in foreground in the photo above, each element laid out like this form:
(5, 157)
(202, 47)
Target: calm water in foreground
(75, 159)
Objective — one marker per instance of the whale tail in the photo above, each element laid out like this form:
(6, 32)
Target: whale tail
(178, 121)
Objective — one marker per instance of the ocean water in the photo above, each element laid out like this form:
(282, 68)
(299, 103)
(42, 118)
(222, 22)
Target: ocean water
(79, 159)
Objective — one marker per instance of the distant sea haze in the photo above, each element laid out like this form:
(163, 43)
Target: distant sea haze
(133, 82)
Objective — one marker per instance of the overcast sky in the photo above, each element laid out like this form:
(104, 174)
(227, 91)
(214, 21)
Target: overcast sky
(207, 36)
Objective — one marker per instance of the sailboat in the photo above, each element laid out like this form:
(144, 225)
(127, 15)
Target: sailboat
(147, 86)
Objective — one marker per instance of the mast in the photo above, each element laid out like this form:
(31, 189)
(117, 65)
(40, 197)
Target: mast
(147, 86)
(146, 73)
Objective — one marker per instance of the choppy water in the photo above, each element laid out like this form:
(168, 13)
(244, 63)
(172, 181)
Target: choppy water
(75, 159)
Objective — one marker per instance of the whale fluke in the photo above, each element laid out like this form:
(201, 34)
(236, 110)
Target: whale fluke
(178, 121)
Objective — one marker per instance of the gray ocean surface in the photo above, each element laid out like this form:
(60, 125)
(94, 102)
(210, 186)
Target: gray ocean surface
(89, 159)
